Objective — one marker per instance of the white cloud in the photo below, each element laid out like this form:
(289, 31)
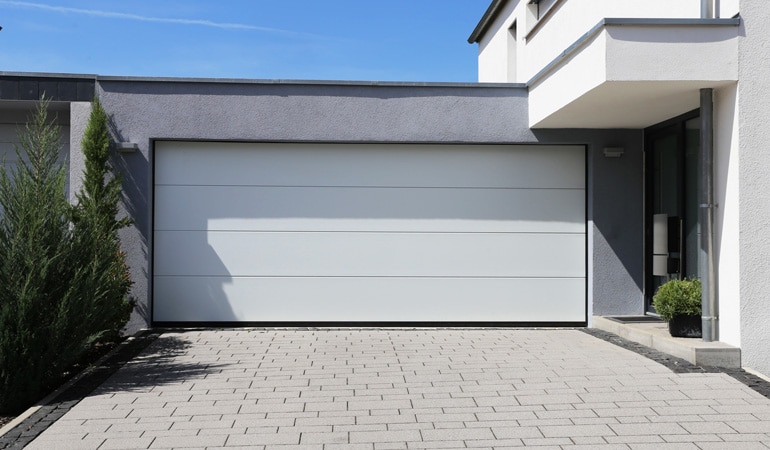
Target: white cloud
(141, 18)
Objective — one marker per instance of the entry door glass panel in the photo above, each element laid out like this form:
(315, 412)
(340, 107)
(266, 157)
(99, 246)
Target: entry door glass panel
(691, 203)
(667, 190)
(673, 177)
(666, 185)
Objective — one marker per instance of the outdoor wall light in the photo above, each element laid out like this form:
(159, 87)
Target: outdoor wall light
(126, 147)
(613, 152)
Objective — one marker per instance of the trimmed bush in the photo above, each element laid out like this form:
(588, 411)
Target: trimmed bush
(678, 297)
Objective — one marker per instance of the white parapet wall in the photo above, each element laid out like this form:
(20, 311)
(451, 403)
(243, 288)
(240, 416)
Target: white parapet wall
(545, 32)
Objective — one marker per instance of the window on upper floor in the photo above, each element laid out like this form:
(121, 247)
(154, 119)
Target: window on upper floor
(536, 9)
(512, 44)
(532, 14)
(545, 5)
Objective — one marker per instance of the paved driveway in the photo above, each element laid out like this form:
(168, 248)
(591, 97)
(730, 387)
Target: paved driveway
(403, 389)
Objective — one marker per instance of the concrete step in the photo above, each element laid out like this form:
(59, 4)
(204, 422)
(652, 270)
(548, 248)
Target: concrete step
(655, 335)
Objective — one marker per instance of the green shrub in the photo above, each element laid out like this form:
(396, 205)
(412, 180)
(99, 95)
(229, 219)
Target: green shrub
(102, 273)
(35, 266)
(63, 277)
(677, 297)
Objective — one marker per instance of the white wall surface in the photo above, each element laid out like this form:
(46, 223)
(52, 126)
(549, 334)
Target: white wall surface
(572, 19)
(494, 47)
(754, 185)
(726, 8)
(672, 53)
(658, 70)
(727, 214)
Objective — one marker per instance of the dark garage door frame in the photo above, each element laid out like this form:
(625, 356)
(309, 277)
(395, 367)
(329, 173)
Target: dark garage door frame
(358, 324)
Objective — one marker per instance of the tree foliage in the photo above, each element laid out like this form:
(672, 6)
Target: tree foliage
(103, 271)
(63, 278)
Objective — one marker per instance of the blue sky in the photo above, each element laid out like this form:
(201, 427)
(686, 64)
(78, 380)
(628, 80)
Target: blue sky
(383, 40)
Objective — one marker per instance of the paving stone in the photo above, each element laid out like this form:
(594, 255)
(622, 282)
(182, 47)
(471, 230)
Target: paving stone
(385, 436)
(324, 438)
(457, 434)
(589, 440)
(732, 445)
(393, 403)
(64, 444)
(437, 445)
(199, 425)
(633, 439)
(362, 427)
(544, 442)
(665, 446)
(391, 419)
(695, 438)
(653, 429)
(750, 427)
(517, 432)
(575, 430)
(126, 443)
(332, 446)
(456, 417)
(495, 443)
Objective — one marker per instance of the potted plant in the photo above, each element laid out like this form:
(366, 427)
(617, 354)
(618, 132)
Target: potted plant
(679, 303)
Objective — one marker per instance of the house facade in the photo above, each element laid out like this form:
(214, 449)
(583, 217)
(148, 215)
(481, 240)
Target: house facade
(565, 184)
(692, 77)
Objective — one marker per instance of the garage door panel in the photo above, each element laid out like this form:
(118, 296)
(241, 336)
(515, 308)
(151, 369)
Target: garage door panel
(370, 254)
(402, 165)
(212, 299)
(368, 232)
(369, 209)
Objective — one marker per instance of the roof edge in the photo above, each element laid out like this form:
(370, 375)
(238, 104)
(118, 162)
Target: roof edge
(486, 20)
(439, 84)
(255, 81)
(78, 76)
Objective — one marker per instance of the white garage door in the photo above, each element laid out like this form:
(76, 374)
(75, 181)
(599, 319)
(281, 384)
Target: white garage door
(369, 233)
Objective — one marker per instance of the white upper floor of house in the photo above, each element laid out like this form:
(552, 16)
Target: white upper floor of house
(577, 54)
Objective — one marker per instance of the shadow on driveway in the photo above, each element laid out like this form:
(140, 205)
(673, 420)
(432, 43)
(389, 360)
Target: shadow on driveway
(148, 359)
(163, 362)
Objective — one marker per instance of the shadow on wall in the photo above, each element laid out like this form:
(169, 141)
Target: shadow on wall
(205, 298)
(189, 278)
(133, 168)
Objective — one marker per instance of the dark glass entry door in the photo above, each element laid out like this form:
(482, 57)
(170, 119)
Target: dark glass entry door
(672, 220)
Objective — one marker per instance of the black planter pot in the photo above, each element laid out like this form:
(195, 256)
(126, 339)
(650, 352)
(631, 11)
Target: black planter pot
(686, 325)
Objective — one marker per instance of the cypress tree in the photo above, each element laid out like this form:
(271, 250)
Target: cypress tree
(103, 274)
(63, 277)
(34, 264)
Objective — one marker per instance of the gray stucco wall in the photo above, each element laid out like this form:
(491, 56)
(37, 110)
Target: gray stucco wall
(143, 110)
(79, 112)
(615, 217)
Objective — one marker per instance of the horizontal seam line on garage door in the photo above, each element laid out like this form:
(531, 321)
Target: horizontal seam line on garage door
(576, 233)
(377, 187)
(373, 276)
